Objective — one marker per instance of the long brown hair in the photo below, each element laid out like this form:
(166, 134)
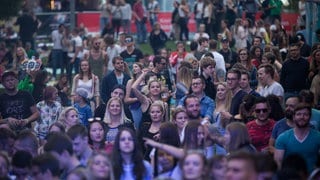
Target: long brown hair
(238, 136)
(89, 70)
(137, 157)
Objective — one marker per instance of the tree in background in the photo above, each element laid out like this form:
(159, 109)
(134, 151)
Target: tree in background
(10, 8)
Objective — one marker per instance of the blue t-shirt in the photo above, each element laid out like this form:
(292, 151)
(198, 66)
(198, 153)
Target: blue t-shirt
(308, 149)
(280, 127)
(315, 119)
(128, 171)
(84, 114)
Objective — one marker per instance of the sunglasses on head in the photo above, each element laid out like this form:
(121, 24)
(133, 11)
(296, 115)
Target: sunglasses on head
(94, 119)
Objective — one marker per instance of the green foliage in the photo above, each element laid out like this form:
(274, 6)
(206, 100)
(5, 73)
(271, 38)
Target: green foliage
(293, 6)
(9, 8)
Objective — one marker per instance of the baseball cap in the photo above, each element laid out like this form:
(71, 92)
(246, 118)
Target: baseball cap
(224, 40)
(82, 92)
(128, 39)
(9, 73)
(300, 37)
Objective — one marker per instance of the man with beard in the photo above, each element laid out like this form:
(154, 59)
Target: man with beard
(207, 105)
(98, 58)
(192, 105)
(301, 140)
(284, 124)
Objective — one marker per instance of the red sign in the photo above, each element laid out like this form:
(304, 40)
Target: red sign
(289, 19)
(92, 23)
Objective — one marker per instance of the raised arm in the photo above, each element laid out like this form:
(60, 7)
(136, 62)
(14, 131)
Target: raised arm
(128, 99)
(142, 98)
(174, 151)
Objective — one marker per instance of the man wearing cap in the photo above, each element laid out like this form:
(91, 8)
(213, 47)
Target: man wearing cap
(305, 49)
(230, 57)
(131, 54)
(17, 107)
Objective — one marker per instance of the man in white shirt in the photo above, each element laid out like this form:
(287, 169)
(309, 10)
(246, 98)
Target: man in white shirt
(201, 33)
(218, 58)
(126, 12)
(268, 84)
(153, 10)
(76, 54)
(198, 13)
(113, 50)
(56, 52)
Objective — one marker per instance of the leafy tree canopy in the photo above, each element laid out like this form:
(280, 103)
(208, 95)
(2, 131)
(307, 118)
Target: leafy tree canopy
(9, 8)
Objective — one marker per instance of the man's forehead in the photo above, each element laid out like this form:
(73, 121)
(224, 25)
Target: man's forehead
(118, 91)
(192, 100)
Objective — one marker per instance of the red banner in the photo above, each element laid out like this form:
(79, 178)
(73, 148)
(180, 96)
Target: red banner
(92, 23)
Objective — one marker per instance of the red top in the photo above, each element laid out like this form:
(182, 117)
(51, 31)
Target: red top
(260, 135)
(138, 9)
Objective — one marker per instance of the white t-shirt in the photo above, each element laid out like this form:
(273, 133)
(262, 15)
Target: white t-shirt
(220, 64)
(151, 7)
(275, 88)
(198, 35)
(76, 42)
(113, 52)
(199, 10)
(56, 39)
(126, 11)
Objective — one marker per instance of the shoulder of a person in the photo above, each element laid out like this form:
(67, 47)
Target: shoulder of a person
(147, 165)
(76, 77)
(23, 93)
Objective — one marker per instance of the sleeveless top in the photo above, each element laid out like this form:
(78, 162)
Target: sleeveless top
(137, 104)
(146, 116)
(97, 65)
(87, 85)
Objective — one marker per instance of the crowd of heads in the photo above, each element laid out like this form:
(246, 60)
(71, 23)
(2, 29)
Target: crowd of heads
(238, 102)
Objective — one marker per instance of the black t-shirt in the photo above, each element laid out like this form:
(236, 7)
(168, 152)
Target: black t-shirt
(17, 106)
(236, 101)
(135, 56)
(27, 25)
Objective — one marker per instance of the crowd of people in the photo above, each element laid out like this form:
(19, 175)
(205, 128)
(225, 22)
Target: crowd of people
(240, 102)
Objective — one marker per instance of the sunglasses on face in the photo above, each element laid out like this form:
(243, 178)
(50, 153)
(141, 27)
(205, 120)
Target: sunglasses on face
(261, 110)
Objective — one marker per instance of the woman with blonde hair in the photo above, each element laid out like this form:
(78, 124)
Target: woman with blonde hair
(115, 119)
(100, 167)
(19, 56)
(184, 79)
(157, 112)
(237, 138)
(223, 103)
(153, 93)
(69, 117)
